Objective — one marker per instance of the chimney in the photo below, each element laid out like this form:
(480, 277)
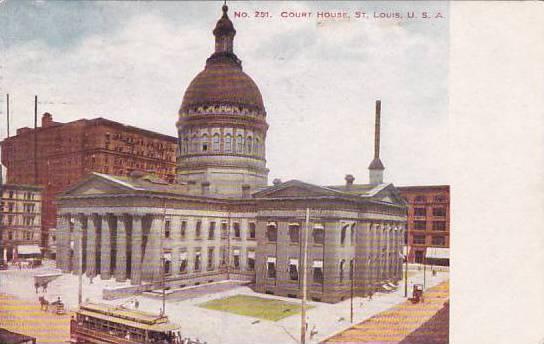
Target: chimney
(47, 120)
(349, 180)
(376, 167)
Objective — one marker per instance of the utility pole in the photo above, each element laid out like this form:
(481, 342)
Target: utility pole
(406, 272)
(80, 276)
(163, 259)
(304, 278)
(352, 270)
(7, 111)
(425, 269)
(35, 140)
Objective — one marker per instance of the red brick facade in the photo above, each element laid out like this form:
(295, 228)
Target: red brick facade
(428, 218)
(57, 155)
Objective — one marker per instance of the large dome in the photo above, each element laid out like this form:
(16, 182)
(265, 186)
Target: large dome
(222, 82)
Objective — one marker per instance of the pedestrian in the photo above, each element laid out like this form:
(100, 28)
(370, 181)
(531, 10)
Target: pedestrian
(36, 285)
(44, 288)
(370, 295)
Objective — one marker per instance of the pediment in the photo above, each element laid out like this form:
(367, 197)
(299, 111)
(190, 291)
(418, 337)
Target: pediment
(294, 189)
(95, 185)
(390, 194)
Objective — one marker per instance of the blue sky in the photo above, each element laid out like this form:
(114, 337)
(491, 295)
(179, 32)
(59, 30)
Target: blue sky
(131, 62)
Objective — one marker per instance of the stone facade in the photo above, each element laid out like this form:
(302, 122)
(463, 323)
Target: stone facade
(20, 220)
(57, 155)
(428, 219)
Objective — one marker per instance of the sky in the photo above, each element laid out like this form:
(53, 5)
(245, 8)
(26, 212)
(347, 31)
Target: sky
(132, 61)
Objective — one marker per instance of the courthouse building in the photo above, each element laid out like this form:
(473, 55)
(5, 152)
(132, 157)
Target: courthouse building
(221, 220)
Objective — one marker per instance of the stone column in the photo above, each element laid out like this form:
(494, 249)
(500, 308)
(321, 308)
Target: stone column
(121, 258)
(151, 268)
(105, 251)
(387, 250)
(136, 258)
(78, 243)
(63, 243)
(91, 245)
(176, 238)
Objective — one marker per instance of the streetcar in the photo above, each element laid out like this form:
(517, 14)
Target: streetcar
(102, 323)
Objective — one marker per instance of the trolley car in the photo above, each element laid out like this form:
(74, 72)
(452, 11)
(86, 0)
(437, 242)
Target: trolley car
(101, 323)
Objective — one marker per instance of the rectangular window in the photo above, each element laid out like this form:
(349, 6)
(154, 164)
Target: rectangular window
(236, 229)
(342, 266)
(420, 211)
(272, 232)
(439, 211)
(167, 229)
(294, 232)
(439, 240)
(183, 262)
(252, 230)
(318, 234)
(420, 225)
(343, 234)
(211, 260)
(167, 263)
(198, 260)
(317, 267)
(224, 228)
(198, 229)
(293, 269)
(211, 231)
(236, 258)
(183, 229)
(223, 256)
(271, 267)
(251, 260)
(419, 239)
(439, 225)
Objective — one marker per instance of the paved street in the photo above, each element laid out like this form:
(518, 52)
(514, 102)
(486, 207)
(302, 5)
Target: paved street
(213, 326)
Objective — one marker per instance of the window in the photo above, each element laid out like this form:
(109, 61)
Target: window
(439, 225)
(211, 261)
(228, 143)
(211, 231)
(10, 235)
(183, 229)
(419, 239)
(239, 144)
(271, 232)
(342, 263)
(11, 194)
(252, 230)
(293, 269)
(352, 233)
(236, 229)
(419, 256)
(439, 198)
(294, 232)
(251, 260)
(420, 225)
(317, 267)
(343, 234)
(236, 258)
(183, 262)
(205, 143)
(439, 211)
(224, 228)
(198, 229)
(167, 263)
(197, 260)
(27, 235)
(318, 234)
(216, 143)
(420, 199)
(249, 145)
(223, 255)
(167, 229)
(256, 147)
(271, 267)
(420, 212)
(439, 240)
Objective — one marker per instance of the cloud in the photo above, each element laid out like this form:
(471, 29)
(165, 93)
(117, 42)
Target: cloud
(319, 81)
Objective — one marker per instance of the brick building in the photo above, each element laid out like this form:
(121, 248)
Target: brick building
(428, 219)
(57, 155)
(20, 221)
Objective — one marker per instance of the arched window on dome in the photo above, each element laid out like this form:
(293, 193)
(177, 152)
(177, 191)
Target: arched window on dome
(257, 146)
(239, 144)
(228, 143)
(216, 143)
(205, 143)
(249, 145)
(184, 145)
(194, 144)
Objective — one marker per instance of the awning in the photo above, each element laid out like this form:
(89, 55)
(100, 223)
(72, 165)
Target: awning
(318, 264)
(319, 226)
(236, 252)
(437, 253)
(251, 254)
(271, 260)
(28, 249)
(183, 256)
(293, 261)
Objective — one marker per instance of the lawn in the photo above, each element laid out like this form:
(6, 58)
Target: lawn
(253, 306)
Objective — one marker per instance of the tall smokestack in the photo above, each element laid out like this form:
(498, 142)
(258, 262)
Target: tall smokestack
(376, 167)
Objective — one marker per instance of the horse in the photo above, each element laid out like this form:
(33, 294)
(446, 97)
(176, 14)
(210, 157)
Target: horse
(43, 303)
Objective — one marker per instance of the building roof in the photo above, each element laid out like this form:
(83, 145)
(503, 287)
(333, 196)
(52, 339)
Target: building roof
(423, 187)
(21, 187)
(223, 82)
(9, 337)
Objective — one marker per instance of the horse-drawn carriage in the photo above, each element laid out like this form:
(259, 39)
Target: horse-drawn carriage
(417, 293)
(41, 281)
